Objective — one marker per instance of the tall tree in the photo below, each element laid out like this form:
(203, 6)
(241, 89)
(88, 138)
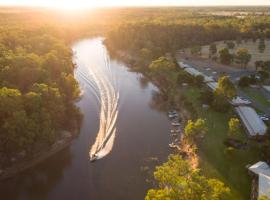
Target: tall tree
(161, 70)
(212, 49)
(226, 87)
(225, 56)
(196, 50)
(261, 46)
(243, 56)
(230, 45)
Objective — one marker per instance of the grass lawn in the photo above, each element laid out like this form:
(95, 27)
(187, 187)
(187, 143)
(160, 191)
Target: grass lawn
(257, 95)
(230, 168)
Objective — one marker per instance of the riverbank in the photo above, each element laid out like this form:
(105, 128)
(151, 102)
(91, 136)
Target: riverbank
(209, 153)
(27, 163)
(171, 99)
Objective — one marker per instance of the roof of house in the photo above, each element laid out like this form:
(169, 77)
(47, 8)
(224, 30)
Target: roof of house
(212, 85)
(183, 65)
(251, 120)
(264, 185)
(262, 169)
(192, 71)
(267, 87)
(207, 79)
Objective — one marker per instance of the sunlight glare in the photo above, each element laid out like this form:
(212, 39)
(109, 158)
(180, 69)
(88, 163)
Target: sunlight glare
(71, 5)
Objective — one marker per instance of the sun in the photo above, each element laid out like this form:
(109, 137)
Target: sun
(72, 5)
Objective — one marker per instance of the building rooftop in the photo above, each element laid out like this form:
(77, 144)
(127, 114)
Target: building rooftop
(262, 169)
(251, 120)
(212, 85)
(192, 71)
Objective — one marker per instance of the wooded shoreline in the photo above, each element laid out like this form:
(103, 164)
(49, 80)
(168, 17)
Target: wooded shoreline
(39, 157)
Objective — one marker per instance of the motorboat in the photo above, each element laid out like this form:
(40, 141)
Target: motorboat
(93, 157)
(176, 124)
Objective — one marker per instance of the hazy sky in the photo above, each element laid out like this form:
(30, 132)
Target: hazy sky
(94, 3)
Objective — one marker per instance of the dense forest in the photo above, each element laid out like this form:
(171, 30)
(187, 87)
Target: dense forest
(37, 87)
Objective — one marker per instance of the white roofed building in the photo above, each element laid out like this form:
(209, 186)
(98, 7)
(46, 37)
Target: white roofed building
(192, 71)
(183, 65)
(262, 171)
(208, 79)
(212, 85)
(252, 122)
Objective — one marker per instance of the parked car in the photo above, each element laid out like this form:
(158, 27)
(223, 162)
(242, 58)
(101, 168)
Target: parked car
(264, 117)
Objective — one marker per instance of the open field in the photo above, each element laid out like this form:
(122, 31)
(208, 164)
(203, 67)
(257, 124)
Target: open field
(257, 96)
(250, 45)
(228, 167)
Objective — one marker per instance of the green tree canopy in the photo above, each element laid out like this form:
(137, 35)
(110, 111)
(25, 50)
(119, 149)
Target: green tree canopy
(178, 181)
(163, 71)
(243, 57)
(261, 45)
(162, 65)
(220, 102)
(226, 87)
(194, 128)
(234, 127)
(213, 49)
(230, 45)
(196, 50)
(225, 56)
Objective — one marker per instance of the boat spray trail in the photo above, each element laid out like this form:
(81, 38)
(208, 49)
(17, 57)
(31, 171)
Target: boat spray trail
(98, 74)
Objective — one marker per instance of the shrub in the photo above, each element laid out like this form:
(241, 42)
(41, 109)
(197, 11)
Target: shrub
(206, 97)
(230, 45)
(244, 81)
(198, 80)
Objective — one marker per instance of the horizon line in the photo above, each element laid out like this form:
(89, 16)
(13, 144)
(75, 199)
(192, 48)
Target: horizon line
(133, 6)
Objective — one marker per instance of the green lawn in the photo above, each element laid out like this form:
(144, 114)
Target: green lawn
(257, 95)
(230, 168)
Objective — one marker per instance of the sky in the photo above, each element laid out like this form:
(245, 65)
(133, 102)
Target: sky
(75, 4)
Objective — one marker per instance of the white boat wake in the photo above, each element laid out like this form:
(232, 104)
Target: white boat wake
(97, 74)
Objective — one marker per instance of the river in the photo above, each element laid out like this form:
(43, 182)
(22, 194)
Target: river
(134, 134)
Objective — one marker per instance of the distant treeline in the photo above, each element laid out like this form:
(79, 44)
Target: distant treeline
(159, 36)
